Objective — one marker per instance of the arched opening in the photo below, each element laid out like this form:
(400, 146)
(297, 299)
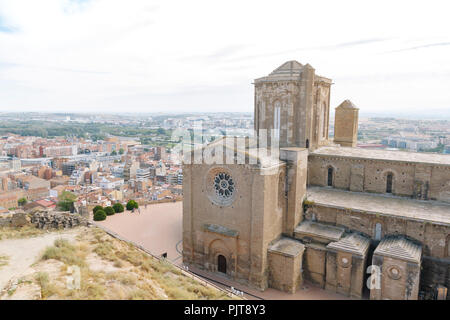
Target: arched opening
(221, 264)
(307, 143)
(447, 249)
(330, 177)
(389, 179)
(325, 116)
(277, 120)
(378, 231)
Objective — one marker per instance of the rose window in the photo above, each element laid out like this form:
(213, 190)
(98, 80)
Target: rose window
(394, 273)
(224, 185)
(220, 187)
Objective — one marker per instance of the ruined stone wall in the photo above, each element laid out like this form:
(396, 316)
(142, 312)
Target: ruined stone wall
(421, 181)
(5, 222)
(14, 219)
(57, 220)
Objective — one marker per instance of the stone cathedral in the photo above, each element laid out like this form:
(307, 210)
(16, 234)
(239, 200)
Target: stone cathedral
(322, 210)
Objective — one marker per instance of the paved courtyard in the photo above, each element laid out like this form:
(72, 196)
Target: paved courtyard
(158, 228)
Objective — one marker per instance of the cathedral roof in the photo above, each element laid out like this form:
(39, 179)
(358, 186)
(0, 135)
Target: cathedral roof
(353, 243)
(290, 68)
(288, 71)
(399, 248)
(384, 205)
(388, 155)
(347, 104)
(242, 150)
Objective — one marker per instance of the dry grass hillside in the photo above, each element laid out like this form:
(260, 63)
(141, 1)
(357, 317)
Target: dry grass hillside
(109, 269)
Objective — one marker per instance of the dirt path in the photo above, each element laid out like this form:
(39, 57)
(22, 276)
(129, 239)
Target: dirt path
(22, 253)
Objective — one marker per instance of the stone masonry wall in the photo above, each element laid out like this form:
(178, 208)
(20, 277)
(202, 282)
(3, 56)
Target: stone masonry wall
(433, 237)
(420, 181)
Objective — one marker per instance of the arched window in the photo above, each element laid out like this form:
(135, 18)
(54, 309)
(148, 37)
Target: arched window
(222, 264)
(447, 251)
(277, 119)
(378, 231)
(330, 177)
(389, 179)
(307, 143)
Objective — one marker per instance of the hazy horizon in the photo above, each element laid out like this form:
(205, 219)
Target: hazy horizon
(362, 115)
(198, 56)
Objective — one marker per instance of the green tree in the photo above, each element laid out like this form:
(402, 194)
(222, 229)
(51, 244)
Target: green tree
(132, 205)
(99, 215)
(121, 151)
(109, 211)
(118, 207)
(66, 200)
(22, 201)
(114, 153)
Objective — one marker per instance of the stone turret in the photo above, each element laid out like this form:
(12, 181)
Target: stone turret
(346, 124)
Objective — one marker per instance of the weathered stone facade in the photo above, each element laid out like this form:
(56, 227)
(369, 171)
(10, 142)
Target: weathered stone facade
(14, 219)
(285, 264)
(296, 101)
(399, 261)
(317, 211)
(420, 176)
(213, 226)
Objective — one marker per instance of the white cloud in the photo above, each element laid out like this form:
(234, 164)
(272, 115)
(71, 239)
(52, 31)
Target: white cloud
(141, 55)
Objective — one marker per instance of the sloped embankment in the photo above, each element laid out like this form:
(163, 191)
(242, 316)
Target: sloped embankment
(108, 268)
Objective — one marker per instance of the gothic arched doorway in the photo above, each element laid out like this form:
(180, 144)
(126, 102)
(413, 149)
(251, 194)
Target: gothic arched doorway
(221, 264)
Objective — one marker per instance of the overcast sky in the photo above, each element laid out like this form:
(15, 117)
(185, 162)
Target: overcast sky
(177, 55)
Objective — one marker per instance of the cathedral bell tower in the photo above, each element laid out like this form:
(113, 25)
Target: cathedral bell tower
(295, 102)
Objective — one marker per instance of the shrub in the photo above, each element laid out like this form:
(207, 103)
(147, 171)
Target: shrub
(66, 200)
(99, 215)
(132, 205)
(307, 204)
(109, 211)
(96, 208)
(22, 201)
(118, 207)
(65, 205)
